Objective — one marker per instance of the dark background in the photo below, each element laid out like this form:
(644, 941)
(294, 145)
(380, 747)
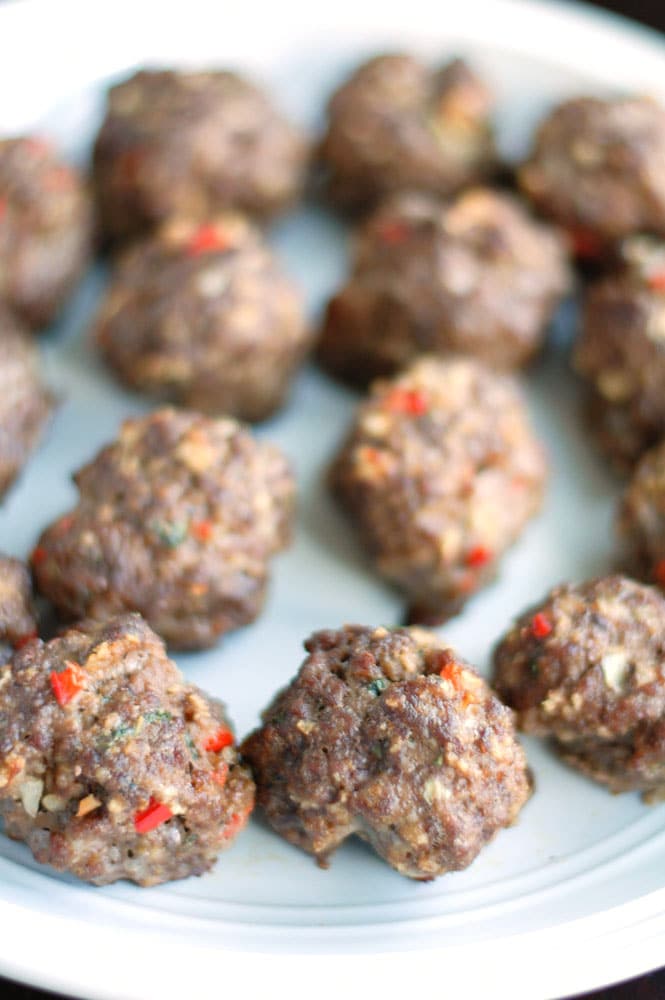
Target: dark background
(652, 987)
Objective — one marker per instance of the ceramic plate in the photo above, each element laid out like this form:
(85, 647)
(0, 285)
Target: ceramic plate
(574, 895)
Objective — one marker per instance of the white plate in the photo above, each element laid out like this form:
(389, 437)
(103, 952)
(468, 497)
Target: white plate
(574, 896)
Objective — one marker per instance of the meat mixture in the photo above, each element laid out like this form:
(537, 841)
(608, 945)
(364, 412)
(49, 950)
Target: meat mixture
(585, 667)
(112, 766)
(621, 353)
(25, 403)
(641, 521)
(476, 277)
(391, 737)
(192, 144)
(18, 619)
(397, 125)
(176, 519)
(596, 168)
(440, 473)
(45, 229)
(205, 317)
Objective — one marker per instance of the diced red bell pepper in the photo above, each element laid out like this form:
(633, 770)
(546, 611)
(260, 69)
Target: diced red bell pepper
(222, 738)
(206, 239)
(408, 401)
(67, 684)
(478, 556)
(202, 530)
(541, 626)
(153, 816)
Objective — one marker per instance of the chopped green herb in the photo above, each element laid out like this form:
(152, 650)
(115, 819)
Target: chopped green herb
(533, 667)
(116, 736)
(439, 760)
(171, 534)
(157, 716)
(192, 746)
(378, 685)
(377, 750)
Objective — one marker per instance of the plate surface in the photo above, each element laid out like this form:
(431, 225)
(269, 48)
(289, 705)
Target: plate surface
(571, 898)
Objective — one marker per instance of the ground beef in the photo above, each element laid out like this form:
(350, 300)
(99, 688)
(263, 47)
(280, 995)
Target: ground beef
(477, 277)
(440, 473)
(111, 765)
(176, 519)
(597, 169)
(585, 666)
(193, 144)
(397, 125)
(621, 352)
(205, 317)
(45, 229)
(387, 735)
(641, 521)
(18, 620)
(25, 403)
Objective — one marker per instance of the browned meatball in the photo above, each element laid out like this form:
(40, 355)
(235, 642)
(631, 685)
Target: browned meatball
(621, 352)
(205, 317)
(478, 277)
(596, 168)
(397, 125)
(641, 522)
(18, 620)
(111, 765)
(25, 403)
(177, 519)
(585, 667)
(45, 229)
(389, 736)
(440, 473)
(192, 144)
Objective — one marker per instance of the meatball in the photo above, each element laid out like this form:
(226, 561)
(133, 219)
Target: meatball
(585, 667)
(18, 620)
(621, 353)
(397, 125)
(111, 765)
(176, 519)
(596, 168)
(45, 229)
(25, 403)
(389, 736)
(478, 277)
(641, 521)
(205, 317)
(176, 143)
(440, 473)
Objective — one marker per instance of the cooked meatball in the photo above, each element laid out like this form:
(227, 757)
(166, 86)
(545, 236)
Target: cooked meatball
(193, 144)
(597, 169)
(389, 736)
(397, 125)
(25, 403)
(111, 765)
(45, 229)
(440, 473)
(18, 620)
(621, 352)
(478, 277)
(641, 521)
(177, 519)
(205, 317)
(585, 667)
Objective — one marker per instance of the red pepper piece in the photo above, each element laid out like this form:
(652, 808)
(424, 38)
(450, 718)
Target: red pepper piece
(541, 626)
(656, 281)
(203, 530)
(23, 640)
(222, 738)
(236, 823)
(659, 572)
(67, 684)
(220, 775)
(39, 554)
(408, 401)
(453, 672)
(393, 232)
(152, 817)
(478, 556)
(585, 243)
(206, 239)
